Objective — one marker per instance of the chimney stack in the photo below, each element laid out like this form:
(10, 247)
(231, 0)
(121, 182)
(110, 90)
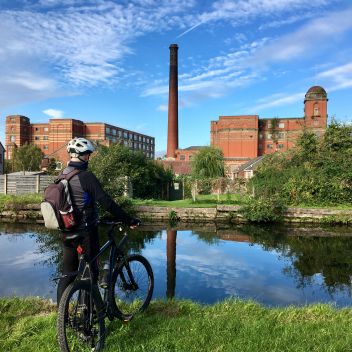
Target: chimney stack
(172, 127)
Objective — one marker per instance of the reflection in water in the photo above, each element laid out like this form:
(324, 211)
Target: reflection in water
(171, 263)
(273, 265)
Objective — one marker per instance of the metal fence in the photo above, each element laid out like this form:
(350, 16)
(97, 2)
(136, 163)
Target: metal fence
(22, 184)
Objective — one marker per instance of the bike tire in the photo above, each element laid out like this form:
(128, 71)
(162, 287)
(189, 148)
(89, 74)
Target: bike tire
(126, 300)
(75, 331)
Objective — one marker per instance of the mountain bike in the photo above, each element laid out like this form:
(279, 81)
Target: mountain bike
(83, 308)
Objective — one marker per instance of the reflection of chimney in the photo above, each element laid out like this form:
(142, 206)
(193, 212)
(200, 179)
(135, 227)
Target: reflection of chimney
(171, 263)
(172, 127)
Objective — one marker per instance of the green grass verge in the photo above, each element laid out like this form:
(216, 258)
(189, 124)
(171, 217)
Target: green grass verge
(14, 201)
(202, 201)
(29, 325)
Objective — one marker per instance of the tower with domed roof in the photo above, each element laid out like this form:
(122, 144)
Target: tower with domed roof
(315, 107)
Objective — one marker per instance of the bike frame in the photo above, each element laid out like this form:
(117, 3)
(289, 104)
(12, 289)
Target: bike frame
(115, 254)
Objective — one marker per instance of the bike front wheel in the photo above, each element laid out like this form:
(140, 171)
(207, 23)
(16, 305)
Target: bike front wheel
(80, 325)
(131, 287)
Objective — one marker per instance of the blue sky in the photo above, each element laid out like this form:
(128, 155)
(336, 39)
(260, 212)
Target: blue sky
(100, 60)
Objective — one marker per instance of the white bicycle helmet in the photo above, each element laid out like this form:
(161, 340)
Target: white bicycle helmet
(79, 146)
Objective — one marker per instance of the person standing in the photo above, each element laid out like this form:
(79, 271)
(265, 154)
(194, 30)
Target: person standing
(86, 191)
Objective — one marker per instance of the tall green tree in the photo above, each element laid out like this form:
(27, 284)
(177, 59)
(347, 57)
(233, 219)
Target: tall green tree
(27, 158)
(208, 163)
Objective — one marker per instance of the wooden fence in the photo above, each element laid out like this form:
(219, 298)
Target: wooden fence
(22, 184)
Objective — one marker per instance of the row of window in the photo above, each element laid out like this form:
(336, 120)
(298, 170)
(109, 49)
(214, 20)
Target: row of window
(279, 135)
(183, 157)
(271, 146)
(280, 124)
(128, 135)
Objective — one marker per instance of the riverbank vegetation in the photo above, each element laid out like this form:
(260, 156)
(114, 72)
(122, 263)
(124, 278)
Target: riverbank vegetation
(29, 325)
(316, 173)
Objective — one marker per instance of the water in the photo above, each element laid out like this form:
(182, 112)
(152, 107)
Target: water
(274, 266)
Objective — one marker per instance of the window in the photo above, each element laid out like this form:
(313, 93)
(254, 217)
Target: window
(260, 146)
(46, 138)
(114, 132)
(37, 138)
(269, 136)
(12, 139)
(45, 147)
(125, 134)
(12, 129)
(280, 146)
(37, 129)
(12, 119)
(269, 146)
(182, 157)
(46, 129)
(316, 110)
(281, 135)
(281, 125)
(260, 135)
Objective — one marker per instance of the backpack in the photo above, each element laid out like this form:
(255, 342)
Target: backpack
(56, 208)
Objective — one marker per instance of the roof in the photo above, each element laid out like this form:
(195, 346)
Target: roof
(178, 167)
(194, 147)
(315, 92)
(27, 173)
(2, 147)
(251, 164)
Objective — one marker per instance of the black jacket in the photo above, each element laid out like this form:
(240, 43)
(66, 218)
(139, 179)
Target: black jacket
(86, 191)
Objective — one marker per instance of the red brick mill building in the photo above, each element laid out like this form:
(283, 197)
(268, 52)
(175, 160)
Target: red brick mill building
(52, 137)
(243, 138)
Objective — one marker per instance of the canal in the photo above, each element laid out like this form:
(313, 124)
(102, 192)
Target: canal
(276, 266)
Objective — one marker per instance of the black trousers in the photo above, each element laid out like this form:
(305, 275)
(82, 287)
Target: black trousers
(90, 243)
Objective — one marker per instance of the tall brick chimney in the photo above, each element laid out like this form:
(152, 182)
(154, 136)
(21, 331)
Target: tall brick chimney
(172, 127)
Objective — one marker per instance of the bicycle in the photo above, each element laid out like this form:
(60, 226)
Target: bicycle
(82, 309)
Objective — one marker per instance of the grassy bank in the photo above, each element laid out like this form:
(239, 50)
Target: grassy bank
(29, 325)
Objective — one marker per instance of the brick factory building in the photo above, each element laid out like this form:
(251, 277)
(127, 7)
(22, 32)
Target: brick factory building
(52, 137)
(246, 137)
(242, 138)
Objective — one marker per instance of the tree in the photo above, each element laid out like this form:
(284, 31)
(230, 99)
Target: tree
(208, 163)
(27, 158)
(112, 163)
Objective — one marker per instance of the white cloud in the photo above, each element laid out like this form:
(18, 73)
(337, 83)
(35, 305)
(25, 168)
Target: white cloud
(75, 43)
(277, 100)
(56, 114)
(162, 107)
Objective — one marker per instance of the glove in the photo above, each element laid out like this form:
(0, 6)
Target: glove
(134, 222)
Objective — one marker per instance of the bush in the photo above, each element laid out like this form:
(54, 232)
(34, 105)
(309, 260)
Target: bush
(263, 209)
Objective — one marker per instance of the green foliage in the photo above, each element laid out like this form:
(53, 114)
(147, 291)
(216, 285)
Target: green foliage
(318, 171)
(263, 209)
(208, 163)
(51, 169)
(173, 218)
(113, 163)
(27, 158)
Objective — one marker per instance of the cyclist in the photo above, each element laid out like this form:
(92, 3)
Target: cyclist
(85, 191)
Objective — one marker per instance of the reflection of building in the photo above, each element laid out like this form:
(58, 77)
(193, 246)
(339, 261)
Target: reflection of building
(171, 263)
(2, 158)
(52, 137)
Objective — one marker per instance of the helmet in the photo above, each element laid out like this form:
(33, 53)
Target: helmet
(79, 146)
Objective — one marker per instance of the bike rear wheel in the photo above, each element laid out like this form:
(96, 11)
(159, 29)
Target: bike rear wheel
(131, 287)
(80, 325)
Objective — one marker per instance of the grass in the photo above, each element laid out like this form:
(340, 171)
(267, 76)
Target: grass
(13, 201)
(233, 325)
(202, 201)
